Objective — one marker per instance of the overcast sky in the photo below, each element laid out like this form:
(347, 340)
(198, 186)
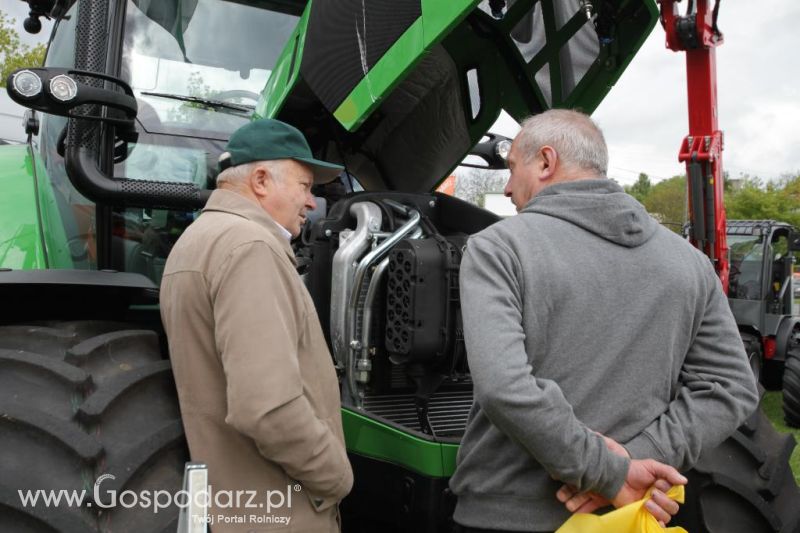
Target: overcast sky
(758, 71)
(18, 10)
(645, 119)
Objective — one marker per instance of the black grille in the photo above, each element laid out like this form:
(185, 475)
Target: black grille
(398, 302)
(448, 411)
(149, 193)
(90, 55)
(422, 299)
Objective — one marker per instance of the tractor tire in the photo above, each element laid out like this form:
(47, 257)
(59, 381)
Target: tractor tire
(791, 386)
(752, 346)
(744, 485)
(79, 400)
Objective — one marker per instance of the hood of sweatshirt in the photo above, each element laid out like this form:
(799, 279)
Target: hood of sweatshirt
(599, 206)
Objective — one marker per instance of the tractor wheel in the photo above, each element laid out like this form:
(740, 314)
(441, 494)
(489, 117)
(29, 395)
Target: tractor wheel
(752, 346)
(791, 386)
(79, 400)
(772, 375)
(744, 485)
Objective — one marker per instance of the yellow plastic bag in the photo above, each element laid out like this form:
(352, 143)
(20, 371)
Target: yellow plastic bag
(633, 518)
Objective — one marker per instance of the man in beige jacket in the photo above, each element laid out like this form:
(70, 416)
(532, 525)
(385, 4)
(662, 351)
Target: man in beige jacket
(256, 383)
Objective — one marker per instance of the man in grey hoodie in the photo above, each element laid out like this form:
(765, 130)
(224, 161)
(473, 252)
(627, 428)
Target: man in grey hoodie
(601, 345)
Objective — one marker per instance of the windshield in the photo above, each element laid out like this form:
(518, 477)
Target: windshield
(208, 49)
(746, 254)
(208, 61)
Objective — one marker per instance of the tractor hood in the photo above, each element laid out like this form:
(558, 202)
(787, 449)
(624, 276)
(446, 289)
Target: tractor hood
(399, 91)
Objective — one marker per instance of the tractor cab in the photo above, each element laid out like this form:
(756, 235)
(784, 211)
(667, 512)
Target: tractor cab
(761, 264)
(190, 92)
(761, 288)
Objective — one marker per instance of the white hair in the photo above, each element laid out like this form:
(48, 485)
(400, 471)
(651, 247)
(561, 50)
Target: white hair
(575, 137)
(237, 174)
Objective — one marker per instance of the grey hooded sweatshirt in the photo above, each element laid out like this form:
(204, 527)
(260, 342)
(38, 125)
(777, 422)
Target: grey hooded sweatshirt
(582, 314)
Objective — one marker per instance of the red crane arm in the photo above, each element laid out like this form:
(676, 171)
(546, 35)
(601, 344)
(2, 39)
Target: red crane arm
(696, 34)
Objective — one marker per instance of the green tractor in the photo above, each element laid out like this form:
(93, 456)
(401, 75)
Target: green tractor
(133, 107)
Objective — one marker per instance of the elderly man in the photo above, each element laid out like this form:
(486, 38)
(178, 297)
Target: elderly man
(257, 387)
(599, 343)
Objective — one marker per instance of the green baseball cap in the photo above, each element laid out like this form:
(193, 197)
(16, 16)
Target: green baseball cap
(268, 139)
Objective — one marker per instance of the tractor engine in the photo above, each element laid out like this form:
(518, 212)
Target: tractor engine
(382, 269)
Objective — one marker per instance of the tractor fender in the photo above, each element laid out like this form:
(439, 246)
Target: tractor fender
(784, 336)
(85, 294)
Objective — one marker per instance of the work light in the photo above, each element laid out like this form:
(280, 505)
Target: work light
(502, 149)
(27, 84)
(63, 88)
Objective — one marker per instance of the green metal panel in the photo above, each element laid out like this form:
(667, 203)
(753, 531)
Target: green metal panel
(51, 223)
(382, 78)
(474, 41)
(437, 19)
(21, 245)
(368, 437)
(287, 68)
(30, 238)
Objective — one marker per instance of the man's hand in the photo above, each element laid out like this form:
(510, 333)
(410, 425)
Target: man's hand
(580, 502)
(641, 476)
(615, 446)
(589, 502)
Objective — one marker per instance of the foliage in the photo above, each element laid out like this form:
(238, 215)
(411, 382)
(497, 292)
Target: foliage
(641, 188)
(666, 201)
(14, 54)
(748, 198)
(473, 184)
(754, 200)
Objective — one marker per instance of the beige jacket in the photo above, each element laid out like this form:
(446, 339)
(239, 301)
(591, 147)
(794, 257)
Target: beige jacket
(256, 383)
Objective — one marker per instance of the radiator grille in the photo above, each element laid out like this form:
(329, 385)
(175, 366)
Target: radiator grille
(448, 411)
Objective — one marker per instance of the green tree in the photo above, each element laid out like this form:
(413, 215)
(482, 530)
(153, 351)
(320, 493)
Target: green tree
(14, 54)
(641, 188)
(754, 199)
(775, 200)
(666, 201)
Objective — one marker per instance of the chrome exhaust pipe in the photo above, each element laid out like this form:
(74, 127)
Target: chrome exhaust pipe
(364, 363)
(354, 344)
(352, 245)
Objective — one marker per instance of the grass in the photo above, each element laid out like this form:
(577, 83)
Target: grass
(772, 404)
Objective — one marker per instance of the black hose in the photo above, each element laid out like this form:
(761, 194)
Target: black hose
(715, 16)
(388, 215)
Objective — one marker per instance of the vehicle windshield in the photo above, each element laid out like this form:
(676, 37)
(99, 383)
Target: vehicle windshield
(746, 253)
(197, 68)
(206, 49)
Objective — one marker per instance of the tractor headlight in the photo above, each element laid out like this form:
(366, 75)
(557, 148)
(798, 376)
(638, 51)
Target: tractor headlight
(63, 88)
(27, 83)
(502, 149)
